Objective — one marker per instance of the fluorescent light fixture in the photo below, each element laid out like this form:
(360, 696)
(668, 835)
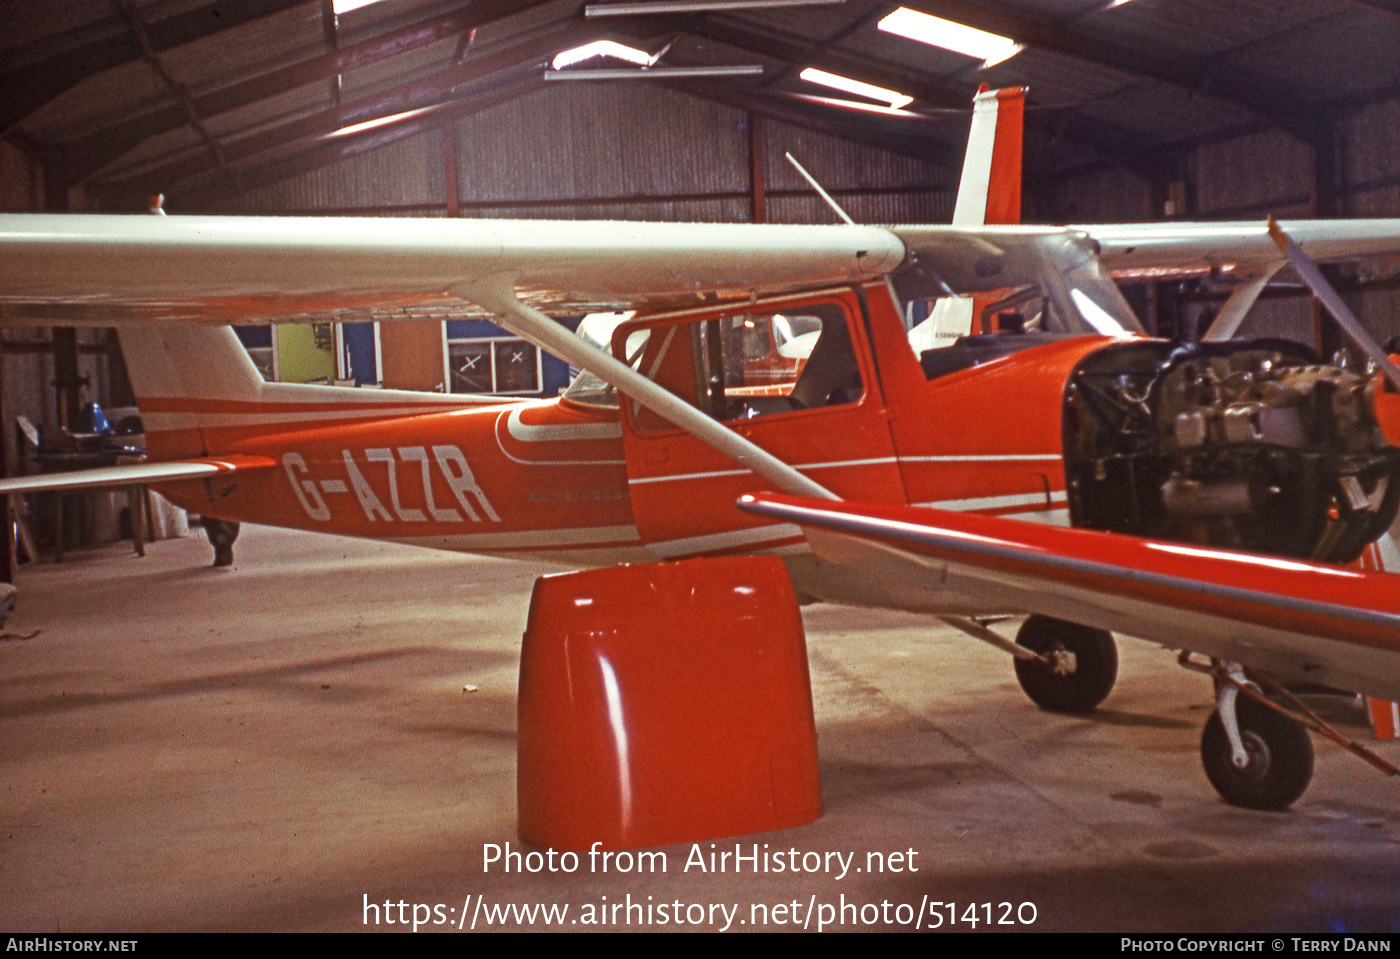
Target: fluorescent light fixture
(863, 107)
(691, 6)
(990, 48)
(601, 48)
(345, 6)
(655, 73)
(846, 84)
(381, 121)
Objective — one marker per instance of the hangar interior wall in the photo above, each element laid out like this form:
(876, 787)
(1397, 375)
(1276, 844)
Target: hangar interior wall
(617, 151)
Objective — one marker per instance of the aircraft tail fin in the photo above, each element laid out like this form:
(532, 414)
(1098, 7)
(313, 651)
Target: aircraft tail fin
(181, 375)
(988, 192)
(990, 188)
(200, 394)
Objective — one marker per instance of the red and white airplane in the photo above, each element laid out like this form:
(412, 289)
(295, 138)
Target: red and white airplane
(1223, 491)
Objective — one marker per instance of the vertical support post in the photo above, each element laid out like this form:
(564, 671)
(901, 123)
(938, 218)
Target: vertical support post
(758, 179)
(66, 381)
(1323, 202)
(1173, 198)
(328, 28)
(449, 168)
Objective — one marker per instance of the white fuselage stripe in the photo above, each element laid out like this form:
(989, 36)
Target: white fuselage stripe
(986, 458)
(311, 418)
(553, 433)
(582, 536)
(739, 538)
(800, 466)
(1042, 499)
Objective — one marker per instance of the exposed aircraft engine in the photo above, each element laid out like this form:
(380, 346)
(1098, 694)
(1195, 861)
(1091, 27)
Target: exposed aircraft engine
(1249, 445)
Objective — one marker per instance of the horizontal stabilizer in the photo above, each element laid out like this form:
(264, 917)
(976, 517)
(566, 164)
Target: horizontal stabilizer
(1296, 620)
(134, 473)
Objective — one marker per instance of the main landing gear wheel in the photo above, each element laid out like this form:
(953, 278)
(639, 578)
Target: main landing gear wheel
(221, 534)
(1279, 755)
(1083, 667)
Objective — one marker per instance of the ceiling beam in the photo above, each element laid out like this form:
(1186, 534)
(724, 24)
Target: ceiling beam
(85, 157)
(1116, 143)
(421, 92)
(32, 85)
(805, 53)
(1374, 6)
(312, 156)
(1204, 76)
(127, 8)
(923, 140)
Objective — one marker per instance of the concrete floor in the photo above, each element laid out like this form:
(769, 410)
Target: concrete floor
(270, 746)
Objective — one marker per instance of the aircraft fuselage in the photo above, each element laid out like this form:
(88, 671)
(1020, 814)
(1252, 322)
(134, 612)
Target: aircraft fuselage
(586, 480)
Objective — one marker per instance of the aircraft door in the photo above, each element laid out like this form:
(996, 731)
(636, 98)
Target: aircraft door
(795, 377)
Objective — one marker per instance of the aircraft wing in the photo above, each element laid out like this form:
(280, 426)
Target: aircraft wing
(1292, 619)
(134, 473)
(1125, 248)
(105, 269)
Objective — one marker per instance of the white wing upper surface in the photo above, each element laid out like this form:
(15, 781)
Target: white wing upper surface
(105, 269)
(102, 268)
(1126, 247)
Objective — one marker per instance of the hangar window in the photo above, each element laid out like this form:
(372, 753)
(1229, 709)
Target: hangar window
(494, 365)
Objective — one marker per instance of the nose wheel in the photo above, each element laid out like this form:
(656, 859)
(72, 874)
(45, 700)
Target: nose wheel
(1075, 668)
(1269, 763)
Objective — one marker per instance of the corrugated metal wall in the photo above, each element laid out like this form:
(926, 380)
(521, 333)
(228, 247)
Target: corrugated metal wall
(1252, 176)
(1372, 167)
(1110, 196)
(624, 151)
(919, 191)
(607, 142)
(406, 172)
(1269, 172)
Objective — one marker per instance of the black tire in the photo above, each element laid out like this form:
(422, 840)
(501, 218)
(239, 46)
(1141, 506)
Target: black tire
(221, 534)
(1096, 665)
(1280, 758)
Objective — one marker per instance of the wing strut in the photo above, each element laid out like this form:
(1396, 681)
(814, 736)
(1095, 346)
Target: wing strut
(499, 296)
(1232, 314)
(977, 631)
(1321, 289)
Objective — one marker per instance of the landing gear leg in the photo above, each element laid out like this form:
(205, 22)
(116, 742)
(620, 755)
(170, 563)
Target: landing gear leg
(1077, 667)
(221, 534)
(1254, 756)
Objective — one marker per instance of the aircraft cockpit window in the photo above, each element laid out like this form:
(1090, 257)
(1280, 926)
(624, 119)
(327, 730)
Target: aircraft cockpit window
(1022, 312)
(588, 389)
(746, 365)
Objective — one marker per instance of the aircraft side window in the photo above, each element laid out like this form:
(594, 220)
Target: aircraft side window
(779, 362)
(831, 375)
(745, 365)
